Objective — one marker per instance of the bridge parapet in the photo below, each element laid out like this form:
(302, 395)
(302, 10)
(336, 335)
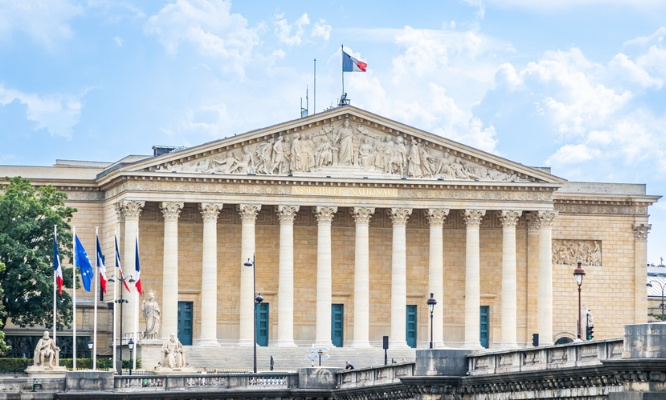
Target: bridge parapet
(374, 376)
(544, 358)
(261, 380)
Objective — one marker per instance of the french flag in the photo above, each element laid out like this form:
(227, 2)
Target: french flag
(350, 64)
(119, 266)
(57, 268)
(101, 266)
(138, 269)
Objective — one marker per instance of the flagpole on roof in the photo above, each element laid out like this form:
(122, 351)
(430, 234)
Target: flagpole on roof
(136, 305)
(74, 298)
(94, 349)
(314, 106)
(55, 282)
(342, 65)
(115, 283)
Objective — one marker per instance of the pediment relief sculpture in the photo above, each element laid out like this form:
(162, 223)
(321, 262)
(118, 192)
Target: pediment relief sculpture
(352, 148)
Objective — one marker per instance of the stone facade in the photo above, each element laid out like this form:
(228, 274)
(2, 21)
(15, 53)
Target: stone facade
(400, 201)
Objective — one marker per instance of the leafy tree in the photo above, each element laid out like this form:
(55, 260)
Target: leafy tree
(3, 345)
(28, 216)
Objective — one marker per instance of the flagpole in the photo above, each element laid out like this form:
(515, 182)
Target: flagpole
(94, 349)
(314, 106)
(115, 334)
(74, 298)
(55, 283)
(136, 306)
(342, 47)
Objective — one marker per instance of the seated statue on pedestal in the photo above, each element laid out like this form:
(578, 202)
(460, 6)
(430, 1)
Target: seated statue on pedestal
(46, 352)
(173, 354)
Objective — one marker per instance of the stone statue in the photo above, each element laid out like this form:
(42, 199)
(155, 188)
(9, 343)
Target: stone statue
(279, 159)
(346, 140)
(46, 352)
(366, 154)
(152, 314)
(173, 354)
(414, 158)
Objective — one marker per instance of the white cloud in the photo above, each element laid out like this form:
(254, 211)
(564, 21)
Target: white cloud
(572, 154)
(45, 21)
(549, 6)
(321, 29)
(56, 114)
(207, 26)
(291, 35)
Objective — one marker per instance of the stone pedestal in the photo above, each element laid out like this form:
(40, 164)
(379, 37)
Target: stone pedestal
(442, 362)
(88, 381)
(317, 378)
(45, 372)
(645, 341)
(150, 353)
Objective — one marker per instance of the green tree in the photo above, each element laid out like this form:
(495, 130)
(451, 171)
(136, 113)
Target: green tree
(28, 216)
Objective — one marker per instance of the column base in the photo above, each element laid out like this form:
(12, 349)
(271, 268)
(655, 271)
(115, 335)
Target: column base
(398, 345)
(285, 343)
(508, 346)
(360, 344)
(439, 345)
(206, 343)
(245, 343)
(323, 343)
(472, 346)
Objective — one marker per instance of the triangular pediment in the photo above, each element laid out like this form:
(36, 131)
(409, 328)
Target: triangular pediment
(344, 142)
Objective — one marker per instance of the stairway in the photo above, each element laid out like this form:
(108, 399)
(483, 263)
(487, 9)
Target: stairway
(288, 359)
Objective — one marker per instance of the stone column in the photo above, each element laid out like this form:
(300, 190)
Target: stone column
(324, 280)
(286, 215)
(509, 220)
(248, 213)
(399, 218)
(209, 213)
(641, 231)
(130, 212)
(546, 277)
(436, 217)
(532, 290)
(362, 217)
(472, 279)
(171, 212)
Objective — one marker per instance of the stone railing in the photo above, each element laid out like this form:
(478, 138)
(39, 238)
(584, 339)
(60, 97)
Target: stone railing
(263, 380)
(545, 358)
(375, 376)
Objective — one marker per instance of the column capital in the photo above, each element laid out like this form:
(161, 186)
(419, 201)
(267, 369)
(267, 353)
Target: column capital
(437, 216)
(399, 216)
(129, 210)
(171, 210)
(248, 212)
(210, 211)
(362, 215)
(546, 218)
(533, 222)
(641, 231)
(473, 217)
(286, 214)
(325, 214)
(509, 218)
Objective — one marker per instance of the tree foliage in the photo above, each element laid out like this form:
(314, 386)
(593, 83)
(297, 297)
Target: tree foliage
(28, 216)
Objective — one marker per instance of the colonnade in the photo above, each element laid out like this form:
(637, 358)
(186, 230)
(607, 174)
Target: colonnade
(129, 211)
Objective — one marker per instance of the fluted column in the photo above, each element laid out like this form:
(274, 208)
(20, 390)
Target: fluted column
(472, 278)
(362, 217)
(509, 219)
(436, 217)
(532, 289)
(324, 279)
(171, 212)
(399, 218)
(209, 213)
(248, 213)
(641, 231)
(130, 212)
(546, 277)
(286, 215)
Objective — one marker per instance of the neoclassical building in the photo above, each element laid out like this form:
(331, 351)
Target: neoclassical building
(351, 220)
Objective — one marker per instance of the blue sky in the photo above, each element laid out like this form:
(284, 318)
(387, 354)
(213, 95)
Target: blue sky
(576, 85)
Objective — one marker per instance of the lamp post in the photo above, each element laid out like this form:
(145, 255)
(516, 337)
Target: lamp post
(130, 344)
(257, 300)
(662, 304)
(90, 348)
(431, 306)
(121, 301)
(579, 273)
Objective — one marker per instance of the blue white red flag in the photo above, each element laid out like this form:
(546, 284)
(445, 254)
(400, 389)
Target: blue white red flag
(119, 266)
(350, 64)
(57, 268)
(101, 267)
(83, 263)
(138, 269)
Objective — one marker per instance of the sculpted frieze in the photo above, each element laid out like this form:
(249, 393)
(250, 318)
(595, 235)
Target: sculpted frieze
(569, 252)
(342, 147)
(601, 209)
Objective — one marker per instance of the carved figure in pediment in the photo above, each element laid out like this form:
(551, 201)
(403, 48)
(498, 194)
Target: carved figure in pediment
(297, 159)
(387, 157)
(224, 164)
(345, 137)
(366, 154)
(414, 160)
(309, 149)
(428, 162)
(279, 159)
(245, 164)
(264, 157)
(399, 159)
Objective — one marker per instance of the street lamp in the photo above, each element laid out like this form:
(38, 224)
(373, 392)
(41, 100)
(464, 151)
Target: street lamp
(130, 344)
(431, 306)
(121, 301)
(90, 347)
(579, 273)
(662, 286)
(257, 300)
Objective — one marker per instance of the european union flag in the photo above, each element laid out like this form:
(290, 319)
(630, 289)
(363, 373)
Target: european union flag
(83, 263)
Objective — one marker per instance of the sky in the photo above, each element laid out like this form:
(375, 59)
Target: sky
(574, 85)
